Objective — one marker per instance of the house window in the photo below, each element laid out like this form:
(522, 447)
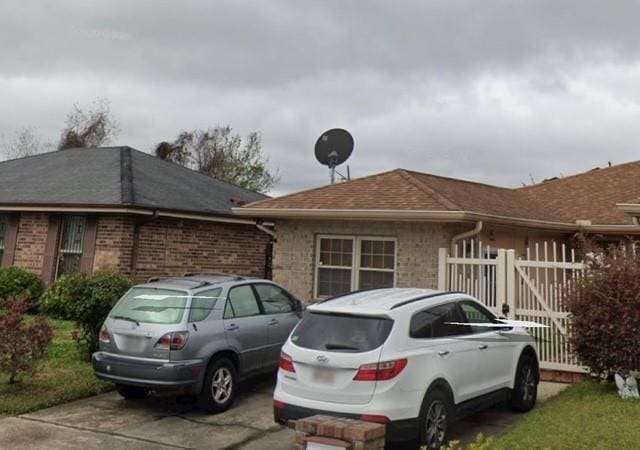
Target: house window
(349, 263)
(71, 243)
(4, 224)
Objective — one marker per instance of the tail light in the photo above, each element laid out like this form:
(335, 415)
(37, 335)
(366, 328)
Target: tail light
(278, 404)
(104, 335)
(286, 363)
(381, 371)
(172, 341)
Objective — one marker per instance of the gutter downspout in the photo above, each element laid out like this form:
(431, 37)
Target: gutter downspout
(467, 234)
(261, 227)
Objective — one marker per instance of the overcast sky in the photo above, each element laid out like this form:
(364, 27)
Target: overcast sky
(492, 91)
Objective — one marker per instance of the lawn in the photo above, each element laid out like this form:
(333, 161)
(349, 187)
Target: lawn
(588, 415)
(65, 375)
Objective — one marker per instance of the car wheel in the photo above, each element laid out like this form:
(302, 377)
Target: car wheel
(132, 392)
(436, 417)
(220, 386)
(525, 389)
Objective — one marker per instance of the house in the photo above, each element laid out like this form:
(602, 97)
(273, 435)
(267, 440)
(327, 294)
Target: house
(121, 209)
(386, 229)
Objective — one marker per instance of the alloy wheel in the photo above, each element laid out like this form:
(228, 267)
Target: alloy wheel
(528, 385)
(221, 385)
(436, 424)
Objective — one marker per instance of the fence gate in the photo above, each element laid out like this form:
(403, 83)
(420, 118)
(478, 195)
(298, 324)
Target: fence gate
(532, 286)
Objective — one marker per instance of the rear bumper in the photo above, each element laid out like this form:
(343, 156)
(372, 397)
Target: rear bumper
(149, 373)
(396, 430)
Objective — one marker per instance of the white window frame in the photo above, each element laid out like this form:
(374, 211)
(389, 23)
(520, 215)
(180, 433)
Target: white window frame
(355, 258)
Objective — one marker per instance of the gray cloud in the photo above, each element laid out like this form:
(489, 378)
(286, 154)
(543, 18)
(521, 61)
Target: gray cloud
(492, 90)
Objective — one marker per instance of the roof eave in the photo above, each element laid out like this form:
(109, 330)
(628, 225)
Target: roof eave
(426, 215)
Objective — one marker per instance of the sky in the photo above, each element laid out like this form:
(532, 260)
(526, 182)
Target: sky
(501, 92)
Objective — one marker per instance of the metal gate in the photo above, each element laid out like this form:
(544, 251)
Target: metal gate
(532, 286)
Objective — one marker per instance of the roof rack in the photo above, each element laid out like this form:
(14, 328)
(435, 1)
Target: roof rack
(201, 283)
(213, 274)
(423, 297)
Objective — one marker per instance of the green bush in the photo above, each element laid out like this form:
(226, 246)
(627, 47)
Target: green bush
(57, 301)
(16, 282)
(87, 300)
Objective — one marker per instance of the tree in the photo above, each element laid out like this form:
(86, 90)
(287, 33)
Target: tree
(89, 128)
(26, 142)
(222, 154)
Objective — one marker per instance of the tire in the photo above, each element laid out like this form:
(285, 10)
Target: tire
(525, 387)
(220, 386)
(132, 392)
(436, 419)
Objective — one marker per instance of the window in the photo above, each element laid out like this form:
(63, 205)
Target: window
(241, 303)
(202, 304)
(4, 224)
(274, 299)
(476, 314)
(337, 332)
(436, 322)
(151, 305)
(71, 243)
(345, 264)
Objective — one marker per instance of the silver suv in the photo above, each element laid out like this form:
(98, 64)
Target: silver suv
(201, 333)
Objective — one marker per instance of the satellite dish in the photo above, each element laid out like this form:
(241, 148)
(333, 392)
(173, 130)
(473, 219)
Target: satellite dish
(334, 147)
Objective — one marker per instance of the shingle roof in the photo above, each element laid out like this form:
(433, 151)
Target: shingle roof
(115, 176)
(587, 196)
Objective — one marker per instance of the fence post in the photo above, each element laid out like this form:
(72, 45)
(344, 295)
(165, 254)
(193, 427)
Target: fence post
(442, 270)
(510, 271)
(501, 278)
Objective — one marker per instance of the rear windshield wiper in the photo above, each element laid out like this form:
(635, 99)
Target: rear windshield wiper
(332, 346)
(130, 319)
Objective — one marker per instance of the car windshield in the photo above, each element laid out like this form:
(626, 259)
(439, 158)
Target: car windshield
(151, 305)
(341, 333)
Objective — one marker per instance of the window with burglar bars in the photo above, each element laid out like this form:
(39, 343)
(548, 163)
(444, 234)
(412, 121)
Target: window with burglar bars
(71, 242)
(4, 223)
(349, 263)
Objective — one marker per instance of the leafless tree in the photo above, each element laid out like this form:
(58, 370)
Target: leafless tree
(89, 128)
(222, 154)
(25, 142)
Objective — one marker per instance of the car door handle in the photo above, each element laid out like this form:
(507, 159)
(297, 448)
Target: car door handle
(443, 353)
(232, 327)
(482, 346)
(274, 322)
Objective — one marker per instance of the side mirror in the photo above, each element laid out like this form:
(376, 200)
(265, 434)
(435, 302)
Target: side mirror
(505, 309)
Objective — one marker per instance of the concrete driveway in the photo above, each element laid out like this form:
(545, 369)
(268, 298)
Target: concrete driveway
(108, 422)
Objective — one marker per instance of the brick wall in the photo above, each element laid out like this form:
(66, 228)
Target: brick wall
(31, 241)
(114, 243)
(170, 247)
(417, 252)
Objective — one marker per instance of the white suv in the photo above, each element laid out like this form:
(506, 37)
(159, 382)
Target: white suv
(404, 357)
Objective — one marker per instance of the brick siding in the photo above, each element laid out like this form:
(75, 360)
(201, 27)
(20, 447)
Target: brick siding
(31, 241)
(417, 252)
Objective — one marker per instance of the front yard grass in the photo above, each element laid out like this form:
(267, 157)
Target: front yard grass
(588, 415)
(63, 376)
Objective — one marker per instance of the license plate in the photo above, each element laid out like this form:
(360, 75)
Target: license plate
(323, 376)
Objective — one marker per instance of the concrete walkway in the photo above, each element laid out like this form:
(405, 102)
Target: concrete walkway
(108, 422)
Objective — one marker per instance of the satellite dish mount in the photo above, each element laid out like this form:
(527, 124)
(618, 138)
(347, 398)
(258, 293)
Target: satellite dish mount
(333, 148)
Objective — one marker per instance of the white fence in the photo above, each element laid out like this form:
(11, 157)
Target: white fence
(532, 287)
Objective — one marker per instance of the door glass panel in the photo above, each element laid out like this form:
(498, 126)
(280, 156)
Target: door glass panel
(71, 242)
(475, 314)
(202, 304)
(437, 322)
(242, 302)
(274, 300)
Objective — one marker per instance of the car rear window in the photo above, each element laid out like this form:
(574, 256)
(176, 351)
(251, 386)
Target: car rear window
(151, 305)
(341, 333)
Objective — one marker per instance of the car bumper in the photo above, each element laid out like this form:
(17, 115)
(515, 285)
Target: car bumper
(149, 373)
(396, 430)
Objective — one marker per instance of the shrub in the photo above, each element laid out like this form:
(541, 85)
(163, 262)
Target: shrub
(16, 282)
(22, 345)
(57, 301)
(104, 289)
(605, 311)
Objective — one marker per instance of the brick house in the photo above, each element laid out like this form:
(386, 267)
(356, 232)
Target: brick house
(121, 209)
(386, 229)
